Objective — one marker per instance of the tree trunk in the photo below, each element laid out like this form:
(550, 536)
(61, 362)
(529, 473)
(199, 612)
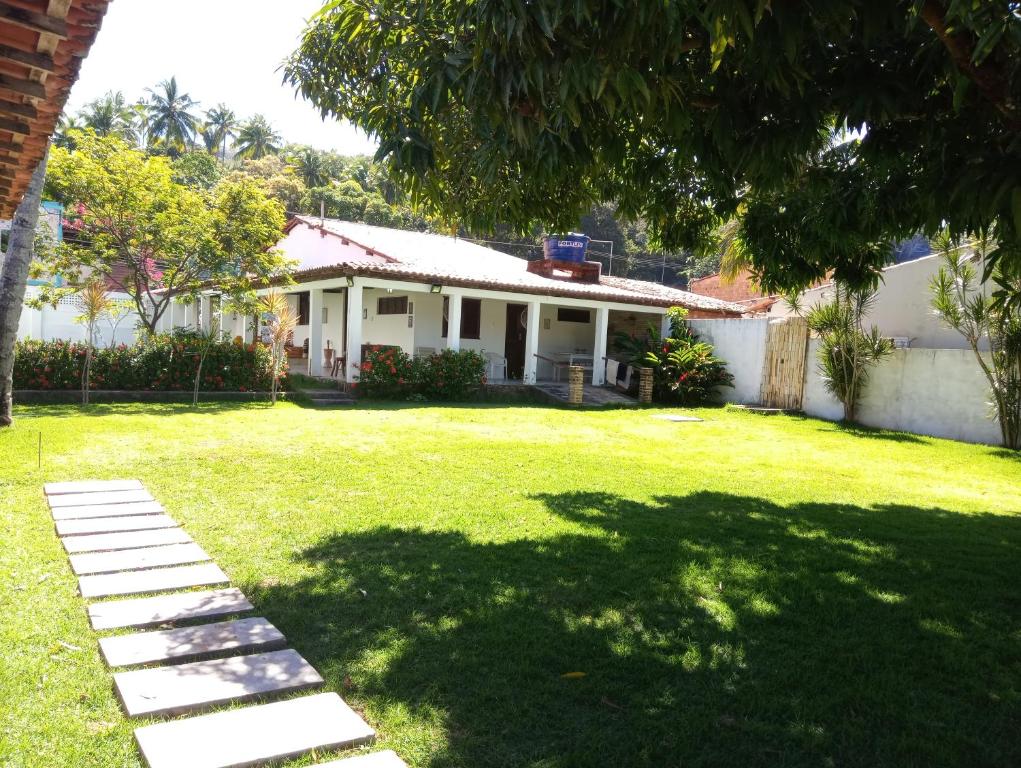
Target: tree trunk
(13, 280)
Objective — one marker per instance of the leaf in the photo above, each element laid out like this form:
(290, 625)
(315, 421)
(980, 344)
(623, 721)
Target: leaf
(573, 675)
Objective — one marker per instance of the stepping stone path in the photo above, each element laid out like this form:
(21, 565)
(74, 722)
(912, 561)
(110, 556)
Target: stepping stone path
(121, 542)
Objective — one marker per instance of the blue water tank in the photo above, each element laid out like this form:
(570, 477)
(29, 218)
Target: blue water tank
(569, 247)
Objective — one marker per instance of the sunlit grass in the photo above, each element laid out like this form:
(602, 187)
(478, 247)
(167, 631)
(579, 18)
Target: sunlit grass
(741, 591)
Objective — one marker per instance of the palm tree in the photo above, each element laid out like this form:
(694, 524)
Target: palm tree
(172, 123)
(110, 115)
(142, 122)
(256, 139)
(66, 126)
(311, 168)
(223, 124)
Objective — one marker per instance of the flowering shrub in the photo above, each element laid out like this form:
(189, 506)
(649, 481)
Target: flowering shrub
(452, 375)
(390, 373)
(160, 363)
(386, 372)
(685, 371)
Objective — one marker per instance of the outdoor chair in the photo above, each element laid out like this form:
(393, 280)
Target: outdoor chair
(425, 351)
(496, 363)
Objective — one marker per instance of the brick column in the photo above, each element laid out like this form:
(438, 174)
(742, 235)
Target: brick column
(575, 384)
(645, 385)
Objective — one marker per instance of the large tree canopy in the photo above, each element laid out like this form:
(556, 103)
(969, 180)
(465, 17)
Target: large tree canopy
(689, 113)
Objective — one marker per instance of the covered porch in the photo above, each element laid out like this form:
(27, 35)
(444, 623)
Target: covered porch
(525, 338)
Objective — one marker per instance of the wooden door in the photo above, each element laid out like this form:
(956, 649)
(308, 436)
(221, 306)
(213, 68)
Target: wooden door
(783, 372)
(514, 341)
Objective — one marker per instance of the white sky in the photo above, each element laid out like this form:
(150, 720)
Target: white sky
(219, 50)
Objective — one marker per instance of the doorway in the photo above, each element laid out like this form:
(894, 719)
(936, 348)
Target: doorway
(514, 341)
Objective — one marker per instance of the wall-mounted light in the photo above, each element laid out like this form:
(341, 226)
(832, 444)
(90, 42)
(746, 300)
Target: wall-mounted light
(389, 290)
(435, 288)
(350, 282)
(365, 314)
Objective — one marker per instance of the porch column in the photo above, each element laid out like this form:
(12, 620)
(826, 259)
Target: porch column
(454, 321)
(315, 332)
(205, 308)
(531, 341)
(599, 347)
(664, 326)
(191, 315)
(354, 330)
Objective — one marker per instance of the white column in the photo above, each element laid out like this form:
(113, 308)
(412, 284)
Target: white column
(664, 326)
(599, 347)
(315, 332)
(454, 321)
(191, 314)
(354, 330)
(531, 341)
(205, 313)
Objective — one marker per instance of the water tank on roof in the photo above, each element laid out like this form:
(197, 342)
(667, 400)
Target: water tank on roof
(569, 247)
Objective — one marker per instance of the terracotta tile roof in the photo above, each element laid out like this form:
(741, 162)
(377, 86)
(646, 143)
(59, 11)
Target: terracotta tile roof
(370, 251)
(42, 44)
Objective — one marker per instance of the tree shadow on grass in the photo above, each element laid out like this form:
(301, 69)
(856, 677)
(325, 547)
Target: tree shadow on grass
(713, 630)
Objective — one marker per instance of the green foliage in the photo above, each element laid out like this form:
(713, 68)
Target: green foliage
(197, 169)
(152, 237)
(681, 112)
(685, 370)
(172, 124)
(847, 351)
(158, 363)
(389, 373)
(991, 325)
(257, 138)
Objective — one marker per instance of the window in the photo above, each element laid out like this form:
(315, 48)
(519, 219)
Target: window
(471, 317)
(303, 308)
(569, 315)
(392, 305)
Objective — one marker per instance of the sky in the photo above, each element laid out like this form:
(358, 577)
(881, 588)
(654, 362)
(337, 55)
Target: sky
(219, 50)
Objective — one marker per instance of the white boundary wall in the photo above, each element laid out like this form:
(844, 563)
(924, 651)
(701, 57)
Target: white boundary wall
(938, 392)
(51, 323)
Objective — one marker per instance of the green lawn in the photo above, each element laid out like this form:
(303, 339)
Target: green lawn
(744, 591)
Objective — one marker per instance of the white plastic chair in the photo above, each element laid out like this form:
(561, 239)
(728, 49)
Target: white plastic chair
(425, 351)
(496, 362)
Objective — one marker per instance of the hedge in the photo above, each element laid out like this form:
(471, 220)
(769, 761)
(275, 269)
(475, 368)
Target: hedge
(390, 373)
(159, 363)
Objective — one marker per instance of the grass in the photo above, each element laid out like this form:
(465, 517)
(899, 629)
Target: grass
(745, 591)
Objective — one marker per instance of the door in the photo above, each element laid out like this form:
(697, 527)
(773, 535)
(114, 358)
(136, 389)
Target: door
(514, 341)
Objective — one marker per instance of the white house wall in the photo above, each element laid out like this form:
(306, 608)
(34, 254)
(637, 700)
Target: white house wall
(902, 307)
(742, 344)
(52, 323)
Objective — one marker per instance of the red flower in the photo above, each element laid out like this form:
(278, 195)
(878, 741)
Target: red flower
(242, 388)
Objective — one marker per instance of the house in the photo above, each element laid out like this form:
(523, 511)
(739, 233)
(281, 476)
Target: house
(743, 290)
(358, 285)
(902, 308)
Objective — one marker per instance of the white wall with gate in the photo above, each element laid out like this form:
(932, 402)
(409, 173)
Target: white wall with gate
(938, 392)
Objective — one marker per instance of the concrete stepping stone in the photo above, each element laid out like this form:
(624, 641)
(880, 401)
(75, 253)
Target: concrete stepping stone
(100, 497)
(91, 486)
(164, 609)
(200, 685)
(108, 510)
(386, 759)
(155, 580)
(254, 736)
(113, 524)
(137, 559)
(176, 645)
(111, 542)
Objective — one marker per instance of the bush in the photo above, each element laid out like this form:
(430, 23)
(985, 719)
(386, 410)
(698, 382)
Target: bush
(685, 371)
(452, 375)
(389, 373)
(160, 363)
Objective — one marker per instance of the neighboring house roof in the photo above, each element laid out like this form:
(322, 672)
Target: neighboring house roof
(741, 290)
(365, 250)
(42, 44)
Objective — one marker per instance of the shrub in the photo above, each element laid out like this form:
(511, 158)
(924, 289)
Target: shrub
(387, 373)
(390, 373)
(452, 375)
(159, 363)
(684, 369)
